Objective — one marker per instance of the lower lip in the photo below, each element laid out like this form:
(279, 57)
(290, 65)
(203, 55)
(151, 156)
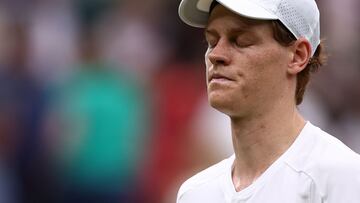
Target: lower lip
(219, 80)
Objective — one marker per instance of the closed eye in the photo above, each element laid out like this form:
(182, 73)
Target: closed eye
(211, 38)
(243, 41)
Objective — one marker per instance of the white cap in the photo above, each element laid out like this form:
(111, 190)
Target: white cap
(300, 17)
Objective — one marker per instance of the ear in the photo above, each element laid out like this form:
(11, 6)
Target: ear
(301, 53)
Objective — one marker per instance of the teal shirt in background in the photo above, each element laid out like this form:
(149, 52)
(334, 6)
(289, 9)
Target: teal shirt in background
(105, 118)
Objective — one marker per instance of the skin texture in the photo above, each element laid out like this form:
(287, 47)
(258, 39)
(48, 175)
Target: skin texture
(252, 79)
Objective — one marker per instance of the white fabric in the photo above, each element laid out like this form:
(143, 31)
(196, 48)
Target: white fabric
(301, 17)
(317, 168)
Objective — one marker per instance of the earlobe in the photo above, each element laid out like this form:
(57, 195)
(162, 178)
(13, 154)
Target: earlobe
(301, 55)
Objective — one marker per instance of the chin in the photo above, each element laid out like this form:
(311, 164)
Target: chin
(221, 103)
(231, 106)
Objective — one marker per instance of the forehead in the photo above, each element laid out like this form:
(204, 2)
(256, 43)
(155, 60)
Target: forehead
(228, 19)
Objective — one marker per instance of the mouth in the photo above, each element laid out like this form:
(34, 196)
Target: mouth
(216, 77)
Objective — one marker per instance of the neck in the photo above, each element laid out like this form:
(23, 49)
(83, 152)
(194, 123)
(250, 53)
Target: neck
(260, 140)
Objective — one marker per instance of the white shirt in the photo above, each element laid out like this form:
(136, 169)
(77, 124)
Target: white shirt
(317, 168)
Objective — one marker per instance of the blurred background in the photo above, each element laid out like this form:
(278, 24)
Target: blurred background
(105, 100)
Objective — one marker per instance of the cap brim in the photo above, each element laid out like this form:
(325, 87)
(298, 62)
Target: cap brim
(196, 12)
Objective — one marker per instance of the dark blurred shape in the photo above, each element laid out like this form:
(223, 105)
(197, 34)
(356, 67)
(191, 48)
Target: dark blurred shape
(22, 102)
(89, 11)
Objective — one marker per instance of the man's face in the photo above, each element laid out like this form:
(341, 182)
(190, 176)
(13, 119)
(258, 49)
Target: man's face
(246, 66)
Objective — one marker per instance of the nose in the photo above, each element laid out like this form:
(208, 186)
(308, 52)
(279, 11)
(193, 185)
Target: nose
(219, 54)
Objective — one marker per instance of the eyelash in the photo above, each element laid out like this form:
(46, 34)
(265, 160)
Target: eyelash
(241, 43)
(232, 41)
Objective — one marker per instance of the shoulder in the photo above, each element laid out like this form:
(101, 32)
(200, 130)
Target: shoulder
(206, 176)
(334, 168)
(332, 154)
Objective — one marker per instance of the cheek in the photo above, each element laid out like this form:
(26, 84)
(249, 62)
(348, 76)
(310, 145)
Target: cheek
(273, 67)
(266, 72)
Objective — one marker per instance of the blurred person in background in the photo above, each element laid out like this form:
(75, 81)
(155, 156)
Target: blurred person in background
(130, 37)
(22, 104)
(100, 118)
(259, 59)
(53, 29)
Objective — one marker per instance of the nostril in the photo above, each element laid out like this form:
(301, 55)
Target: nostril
(218, 59)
